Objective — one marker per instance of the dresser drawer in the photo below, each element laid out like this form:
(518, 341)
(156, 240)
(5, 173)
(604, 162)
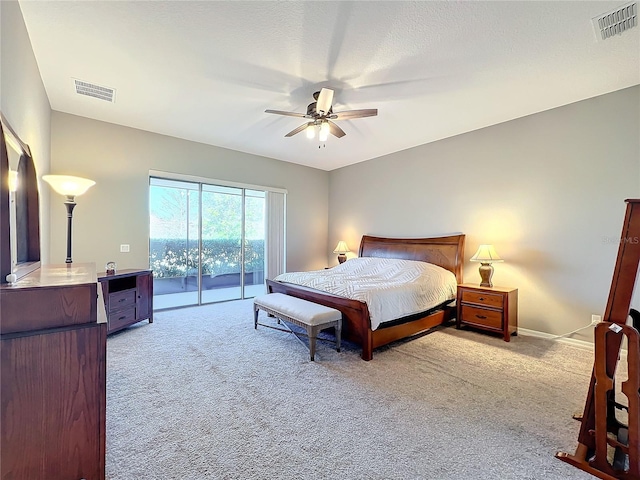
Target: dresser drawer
(488, 299)
(124, 298)
(122, 318)
(481, 316)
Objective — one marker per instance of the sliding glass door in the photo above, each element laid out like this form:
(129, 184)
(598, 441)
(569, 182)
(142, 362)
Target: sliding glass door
(254, 242)
(207, 242)
(221, 243)
(174, 215)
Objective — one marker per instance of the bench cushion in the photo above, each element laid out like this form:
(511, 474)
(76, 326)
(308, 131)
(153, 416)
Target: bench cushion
(304, 311)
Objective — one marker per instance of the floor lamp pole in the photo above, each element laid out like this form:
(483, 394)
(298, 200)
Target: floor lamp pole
(70, 204)
(70, 187)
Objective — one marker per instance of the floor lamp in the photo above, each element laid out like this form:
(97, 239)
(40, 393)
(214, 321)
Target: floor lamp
(70, 187)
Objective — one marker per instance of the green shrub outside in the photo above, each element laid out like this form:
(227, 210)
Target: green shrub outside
(169, 257)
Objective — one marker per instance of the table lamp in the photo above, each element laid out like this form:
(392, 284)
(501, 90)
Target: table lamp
(70, 187)
(341, 249)
(486, 255)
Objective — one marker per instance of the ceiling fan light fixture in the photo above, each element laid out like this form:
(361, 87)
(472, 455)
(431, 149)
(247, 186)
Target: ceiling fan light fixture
(320, 114)
(311, 131)
(324, 132)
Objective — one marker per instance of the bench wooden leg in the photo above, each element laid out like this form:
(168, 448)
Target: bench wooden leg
(255, 317)
(312, 332)
(338, 334)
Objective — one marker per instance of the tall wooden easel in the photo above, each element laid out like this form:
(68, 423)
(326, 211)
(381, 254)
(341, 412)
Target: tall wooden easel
(601, 433)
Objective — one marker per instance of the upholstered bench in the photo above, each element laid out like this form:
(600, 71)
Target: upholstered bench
(311, 316)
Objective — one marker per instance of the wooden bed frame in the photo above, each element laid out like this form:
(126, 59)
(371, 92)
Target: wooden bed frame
(447, 252)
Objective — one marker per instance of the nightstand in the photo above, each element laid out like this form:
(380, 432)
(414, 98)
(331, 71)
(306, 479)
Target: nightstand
(489, 308)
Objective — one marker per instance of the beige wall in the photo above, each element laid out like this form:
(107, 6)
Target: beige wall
(115, 210)
(547, 190)
(24, 102)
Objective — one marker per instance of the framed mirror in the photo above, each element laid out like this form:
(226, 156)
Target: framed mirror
(19, 206)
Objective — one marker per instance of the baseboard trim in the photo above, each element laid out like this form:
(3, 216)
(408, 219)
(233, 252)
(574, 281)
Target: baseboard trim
(569, 341)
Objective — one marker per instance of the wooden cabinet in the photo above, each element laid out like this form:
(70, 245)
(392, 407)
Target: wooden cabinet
(489, 308)
(128, 297)
(53, 376)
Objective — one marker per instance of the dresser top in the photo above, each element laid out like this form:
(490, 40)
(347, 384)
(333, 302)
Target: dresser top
(57, 275)
(125, 272)
(54, 296)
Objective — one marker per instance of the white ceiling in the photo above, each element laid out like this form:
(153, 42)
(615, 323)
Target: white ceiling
(206, 71)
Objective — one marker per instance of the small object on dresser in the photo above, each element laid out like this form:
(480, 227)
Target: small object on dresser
(110, 268)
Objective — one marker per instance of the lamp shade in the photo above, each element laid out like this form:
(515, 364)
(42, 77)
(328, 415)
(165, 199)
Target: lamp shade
(341, 247)
(68, 185)
(486, 254)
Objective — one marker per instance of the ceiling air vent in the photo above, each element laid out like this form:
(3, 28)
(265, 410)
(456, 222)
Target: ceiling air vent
(96, 91)
(616, 21)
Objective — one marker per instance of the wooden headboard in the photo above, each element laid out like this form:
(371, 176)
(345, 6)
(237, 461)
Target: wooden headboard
(447, 252)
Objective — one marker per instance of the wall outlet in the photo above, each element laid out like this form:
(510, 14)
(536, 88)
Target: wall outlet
(124, 248)
(595, 319)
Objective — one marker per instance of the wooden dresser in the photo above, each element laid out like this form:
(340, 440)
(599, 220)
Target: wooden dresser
(128, 296)
(53, 376)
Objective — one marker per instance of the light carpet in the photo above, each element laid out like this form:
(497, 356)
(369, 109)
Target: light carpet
(201, 394)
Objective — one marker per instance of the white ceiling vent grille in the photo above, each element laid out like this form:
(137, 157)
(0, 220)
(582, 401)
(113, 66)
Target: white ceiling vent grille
(616, 21)
(96, 91)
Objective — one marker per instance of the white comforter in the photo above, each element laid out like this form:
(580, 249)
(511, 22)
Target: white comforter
(391, 288)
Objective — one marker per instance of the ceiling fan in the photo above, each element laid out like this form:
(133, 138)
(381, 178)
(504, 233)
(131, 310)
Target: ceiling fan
(320, 115)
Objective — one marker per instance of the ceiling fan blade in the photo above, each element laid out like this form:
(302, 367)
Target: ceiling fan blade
(349, 114)
(335, 130)
(289, 114)
(324, 100)
(297, 130)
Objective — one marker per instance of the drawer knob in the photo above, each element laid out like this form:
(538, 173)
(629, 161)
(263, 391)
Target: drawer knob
(122, 318)
(122, 300)
(482, 317)
(481, 298)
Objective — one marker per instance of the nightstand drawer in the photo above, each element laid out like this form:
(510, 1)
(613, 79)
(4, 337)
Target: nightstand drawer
(481, 316)
(488, 299)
